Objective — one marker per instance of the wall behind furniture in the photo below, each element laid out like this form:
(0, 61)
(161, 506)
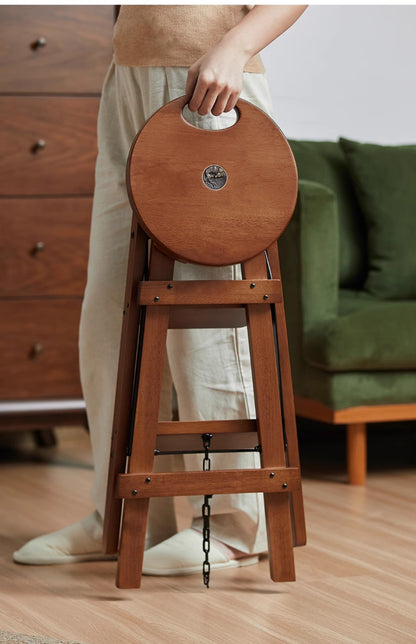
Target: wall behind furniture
(346, 71)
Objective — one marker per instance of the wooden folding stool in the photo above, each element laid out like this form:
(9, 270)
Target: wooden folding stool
(214, 198)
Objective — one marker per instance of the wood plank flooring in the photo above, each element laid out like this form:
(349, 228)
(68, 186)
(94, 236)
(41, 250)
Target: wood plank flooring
(356, 578)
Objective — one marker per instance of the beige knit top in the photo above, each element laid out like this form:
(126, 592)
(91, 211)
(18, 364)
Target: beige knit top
(173, 35)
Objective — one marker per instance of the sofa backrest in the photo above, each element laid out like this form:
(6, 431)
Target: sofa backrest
(324, 162)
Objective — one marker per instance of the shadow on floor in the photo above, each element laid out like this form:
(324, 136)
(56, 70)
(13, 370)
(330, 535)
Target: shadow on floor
(389, 446)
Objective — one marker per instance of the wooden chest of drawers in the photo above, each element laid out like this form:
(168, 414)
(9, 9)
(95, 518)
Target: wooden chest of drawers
(53, 63)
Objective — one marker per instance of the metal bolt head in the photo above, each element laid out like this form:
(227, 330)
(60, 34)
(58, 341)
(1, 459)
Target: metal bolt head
(134, 492)
(252, 285)
(284, 485)
(39, 246)
(147, 479)
(271, 475)
(38, 146)
(36, 350)
(169, 286)
(156, 299)
(265, 296)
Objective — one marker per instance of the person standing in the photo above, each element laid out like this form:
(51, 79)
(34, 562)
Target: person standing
(161, 52)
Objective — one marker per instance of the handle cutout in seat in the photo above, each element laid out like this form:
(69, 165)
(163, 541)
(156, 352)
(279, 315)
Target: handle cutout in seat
(225, 121)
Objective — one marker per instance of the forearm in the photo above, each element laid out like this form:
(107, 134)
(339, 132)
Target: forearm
(215, 80)
(262, 25)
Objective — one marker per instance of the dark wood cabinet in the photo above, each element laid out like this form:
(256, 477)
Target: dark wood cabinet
(54, 60)
(48, 145)
(39, 348)
(55, 49)
(45, 250)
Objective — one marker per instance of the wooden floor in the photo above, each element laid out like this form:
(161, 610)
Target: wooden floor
(356, 578)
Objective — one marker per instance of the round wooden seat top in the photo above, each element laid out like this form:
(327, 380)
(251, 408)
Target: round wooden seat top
(213, 197)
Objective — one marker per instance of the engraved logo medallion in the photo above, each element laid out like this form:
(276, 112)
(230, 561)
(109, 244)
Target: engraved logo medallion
(214, 177)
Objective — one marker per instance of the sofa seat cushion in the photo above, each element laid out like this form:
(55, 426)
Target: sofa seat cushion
(356, 388)
(368, 334)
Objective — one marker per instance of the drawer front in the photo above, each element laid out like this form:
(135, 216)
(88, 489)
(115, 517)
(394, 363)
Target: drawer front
(39, 349)
(44, 246)
(48, 145)
(55, 49)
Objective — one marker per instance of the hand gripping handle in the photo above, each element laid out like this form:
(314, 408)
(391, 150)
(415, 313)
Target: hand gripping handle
(248, 116)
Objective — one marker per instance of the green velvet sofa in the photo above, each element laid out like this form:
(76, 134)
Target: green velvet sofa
(348, 263)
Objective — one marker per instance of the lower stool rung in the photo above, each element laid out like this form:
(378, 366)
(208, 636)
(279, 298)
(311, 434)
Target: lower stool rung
(151, 484)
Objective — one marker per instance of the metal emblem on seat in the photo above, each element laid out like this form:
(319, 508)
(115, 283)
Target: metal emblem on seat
(214, 177)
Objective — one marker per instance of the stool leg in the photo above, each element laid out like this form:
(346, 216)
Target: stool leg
(269, 425)
(135, 513)
(121, 421)
(299, 528)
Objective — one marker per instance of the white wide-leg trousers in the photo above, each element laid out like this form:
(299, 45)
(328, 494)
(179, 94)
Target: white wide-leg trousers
(210, 368)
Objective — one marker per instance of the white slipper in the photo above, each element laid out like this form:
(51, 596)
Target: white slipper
(81, 541)
(182, 554)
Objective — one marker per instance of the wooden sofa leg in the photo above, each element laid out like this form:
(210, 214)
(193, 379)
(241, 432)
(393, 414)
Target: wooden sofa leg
(357, 453)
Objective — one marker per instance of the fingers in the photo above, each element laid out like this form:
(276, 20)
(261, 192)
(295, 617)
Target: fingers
(211, 102)
(203, 96)
(230, 104)
(209, 94)
(191, 80)
(213, 99)
(217, 104)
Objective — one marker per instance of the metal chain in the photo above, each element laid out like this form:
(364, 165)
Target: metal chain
(206, 512)
(206, 441)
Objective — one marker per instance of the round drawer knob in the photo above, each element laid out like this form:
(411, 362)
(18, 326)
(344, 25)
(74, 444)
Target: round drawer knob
(39, 43)
(36, 350)
(38, 247)
(38, 146)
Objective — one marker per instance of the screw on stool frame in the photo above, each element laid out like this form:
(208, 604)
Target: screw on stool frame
(213, 198)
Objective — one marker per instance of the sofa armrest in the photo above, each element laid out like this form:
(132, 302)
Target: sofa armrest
(319, 253)
(309, 254)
